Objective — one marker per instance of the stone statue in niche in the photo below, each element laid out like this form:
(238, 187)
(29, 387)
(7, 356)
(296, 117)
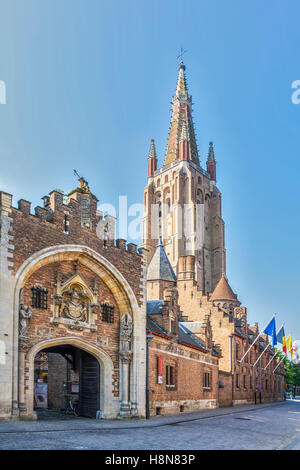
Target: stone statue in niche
(125, 333)
(75, 304)
(24, 315)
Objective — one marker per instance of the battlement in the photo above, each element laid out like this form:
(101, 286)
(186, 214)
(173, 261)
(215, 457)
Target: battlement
(68, 213)
(62, 219)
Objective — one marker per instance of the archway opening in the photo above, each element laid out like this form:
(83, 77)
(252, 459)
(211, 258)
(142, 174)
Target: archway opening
(66, 383)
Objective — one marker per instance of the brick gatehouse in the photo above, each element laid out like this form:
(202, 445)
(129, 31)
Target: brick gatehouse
(69, 290)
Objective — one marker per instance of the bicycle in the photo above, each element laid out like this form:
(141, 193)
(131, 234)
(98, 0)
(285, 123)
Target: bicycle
(71, 408)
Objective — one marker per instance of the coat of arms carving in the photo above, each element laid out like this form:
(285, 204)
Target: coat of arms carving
(75, 304)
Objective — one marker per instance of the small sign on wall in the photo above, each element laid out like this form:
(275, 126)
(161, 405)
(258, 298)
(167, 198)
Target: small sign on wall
(74, 387)
(41, 394)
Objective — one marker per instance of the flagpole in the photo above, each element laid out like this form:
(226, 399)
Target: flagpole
(256, 338)
(273, 357)
(280, 328)
(278, 364)
(261, 354)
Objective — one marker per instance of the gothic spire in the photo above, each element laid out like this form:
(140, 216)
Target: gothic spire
(152, 160)
(211, 162)
(152, 151)
(211, 153)
(182, 127)
(181, 89)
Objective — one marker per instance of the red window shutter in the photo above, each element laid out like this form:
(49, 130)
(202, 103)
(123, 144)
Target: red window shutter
(159, 370)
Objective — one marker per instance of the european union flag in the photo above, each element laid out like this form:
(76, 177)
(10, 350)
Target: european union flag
(271, 331)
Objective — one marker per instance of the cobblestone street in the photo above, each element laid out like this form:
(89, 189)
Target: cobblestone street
(266, 426)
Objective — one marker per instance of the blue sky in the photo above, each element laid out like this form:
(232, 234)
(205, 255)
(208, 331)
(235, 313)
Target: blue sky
(89, 83)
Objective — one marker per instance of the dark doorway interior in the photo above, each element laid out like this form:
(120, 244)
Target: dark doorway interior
(65, 374)
(89, 397)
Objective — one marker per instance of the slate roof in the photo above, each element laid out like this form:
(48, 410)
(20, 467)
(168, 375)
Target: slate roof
(154, 326)
(186, 336)
(239, 332)
(154, 307)
(160, 266)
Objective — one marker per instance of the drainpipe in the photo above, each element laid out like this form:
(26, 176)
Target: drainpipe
(149, 336)
(255, 371)
(231, 366)
(260, 381)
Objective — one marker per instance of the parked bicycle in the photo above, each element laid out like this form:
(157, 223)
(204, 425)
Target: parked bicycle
(71, 407)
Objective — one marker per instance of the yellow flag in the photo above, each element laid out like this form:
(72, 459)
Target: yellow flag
(289, 345)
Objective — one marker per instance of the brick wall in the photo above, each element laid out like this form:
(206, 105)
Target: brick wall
(40, 326)
(196, 307)
(32, 234)
(188, 393)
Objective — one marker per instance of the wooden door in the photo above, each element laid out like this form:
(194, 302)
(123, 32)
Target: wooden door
(89, 390)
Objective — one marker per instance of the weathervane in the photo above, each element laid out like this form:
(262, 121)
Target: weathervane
(76, 174)
(182, 52)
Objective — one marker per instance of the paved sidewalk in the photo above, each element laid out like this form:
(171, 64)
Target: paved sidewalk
(81, 424)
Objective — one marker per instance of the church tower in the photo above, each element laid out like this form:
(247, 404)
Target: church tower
(181, 199)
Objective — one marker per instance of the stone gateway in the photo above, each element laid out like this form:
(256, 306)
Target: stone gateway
(72, 310)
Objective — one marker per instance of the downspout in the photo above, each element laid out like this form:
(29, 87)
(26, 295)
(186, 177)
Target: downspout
(231, 366)
(260, 381)
(149, 336)
(255, 371)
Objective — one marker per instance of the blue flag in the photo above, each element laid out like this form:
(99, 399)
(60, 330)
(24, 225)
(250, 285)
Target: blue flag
(271, 331)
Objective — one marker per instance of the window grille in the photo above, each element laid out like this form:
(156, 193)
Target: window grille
(107, 312)
(39, 298)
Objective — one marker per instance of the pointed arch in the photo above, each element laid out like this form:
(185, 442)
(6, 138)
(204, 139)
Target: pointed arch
(108, 403)
(122, 292)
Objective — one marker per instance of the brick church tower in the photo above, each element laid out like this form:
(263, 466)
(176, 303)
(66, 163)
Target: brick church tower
(182, 201)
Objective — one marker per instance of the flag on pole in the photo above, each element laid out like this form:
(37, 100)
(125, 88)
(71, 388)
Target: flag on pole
(271, 331)
(289, 346)
(256, 339)
(281, 339)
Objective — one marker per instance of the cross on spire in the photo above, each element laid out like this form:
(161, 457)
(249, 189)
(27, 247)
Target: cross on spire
(182, 52)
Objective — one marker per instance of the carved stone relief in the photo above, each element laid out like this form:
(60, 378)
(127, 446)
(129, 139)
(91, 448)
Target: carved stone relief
(75, 303)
